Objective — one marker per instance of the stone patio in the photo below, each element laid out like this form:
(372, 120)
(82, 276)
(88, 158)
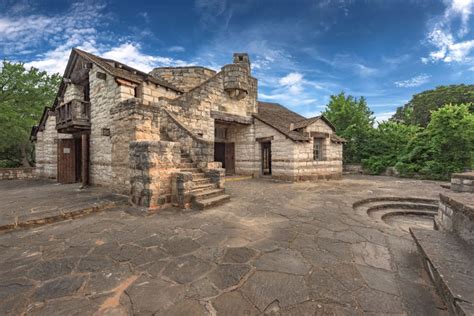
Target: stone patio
(26, 204)
(276, 248)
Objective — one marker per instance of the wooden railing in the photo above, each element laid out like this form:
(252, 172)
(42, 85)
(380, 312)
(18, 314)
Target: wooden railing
(73, 115)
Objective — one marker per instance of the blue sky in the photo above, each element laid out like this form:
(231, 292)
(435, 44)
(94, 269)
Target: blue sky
(301, 51)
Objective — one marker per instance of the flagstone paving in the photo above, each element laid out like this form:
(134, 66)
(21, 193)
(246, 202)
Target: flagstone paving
(276, 248)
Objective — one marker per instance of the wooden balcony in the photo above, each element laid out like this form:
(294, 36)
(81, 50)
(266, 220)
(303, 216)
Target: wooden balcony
(73, 116)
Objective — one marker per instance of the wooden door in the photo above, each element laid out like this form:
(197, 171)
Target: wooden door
(219, 153)
(229, 159)
(66, 161)
(266, 158)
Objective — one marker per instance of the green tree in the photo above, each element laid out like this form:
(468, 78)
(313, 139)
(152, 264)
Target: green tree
(354, 121)
(444, 147)
(417, 110)
(23, 95)
(387, 141)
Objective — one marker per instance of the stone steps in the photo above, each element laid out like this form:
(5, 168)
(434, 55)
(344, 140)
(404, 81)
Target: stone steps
(381, 209)
(193, 170)
(206, 194)
(186, 165)
(384, 214)
(198, 176)
(448, 261)
(201, 181)
(200, 188)
(212, 201)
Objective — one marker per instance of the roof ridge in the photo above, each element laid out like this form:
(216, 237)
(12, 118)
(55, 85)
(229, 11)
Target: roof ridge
(130, 69)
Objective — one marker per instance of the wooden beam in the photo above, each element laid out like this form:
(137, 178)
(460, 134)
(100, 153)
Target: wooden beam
(264, 139)
(318, 135)
(85, 159)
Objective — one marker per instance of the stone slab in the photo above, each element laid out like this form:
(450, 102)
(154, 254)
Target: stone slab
(450, 263)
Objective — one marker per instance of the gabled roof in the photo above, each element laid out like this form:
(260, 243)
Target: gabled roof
(288, 122)
(306, 122)
(118, 69)
(280, 118)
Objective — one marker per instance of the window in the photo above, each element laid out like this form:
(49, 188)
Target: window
(220, 132)
(318, 147)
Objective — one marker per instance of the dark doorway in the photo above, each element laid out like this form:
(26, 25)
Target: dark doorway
(225, 153)
(69, 160)
(267, 158)
(229, 159)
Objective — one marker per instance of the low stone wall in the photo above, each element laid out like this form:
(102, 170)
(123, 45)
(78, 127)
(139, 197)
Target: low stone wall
(352, 169)
(152, 165)
(200, 150)
(182, 184)
(456, 215)
(463, 182)
(17, 173)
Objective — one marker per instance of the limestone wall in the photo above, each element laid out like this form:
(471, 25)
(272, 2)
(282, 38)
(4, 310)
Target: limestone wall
(73, 92)
(306, 167)
(131, 121)
(184, 78)
(153, 164)
(194, 107)
(246, 159)
(463, 182)
(17, 173)
(282, 150)
(294, 161)
(456, 215)
(151, 93)
(46, 147)
(104, 94)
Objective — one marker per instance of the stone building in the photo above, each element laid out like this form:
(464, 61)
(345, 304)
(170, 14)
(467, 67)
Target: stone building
(170, 136)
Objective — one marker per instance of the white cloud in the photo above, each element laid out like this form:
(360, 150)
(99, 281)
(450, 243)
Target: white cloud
(176, 49)
(291, 79)
(451, 47)
(349, 62)
(413, 82)
(293, 82)
(383, 116)
(80, 27)
(128, 53)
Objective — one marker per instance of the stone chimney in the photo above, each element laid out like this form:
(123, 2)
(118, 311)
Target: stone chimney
(242, 59)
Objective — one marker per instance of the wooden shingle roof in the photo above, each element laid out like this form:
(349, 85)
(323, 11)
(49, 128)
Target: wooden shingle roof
(280, 118)
(120, 70)
(306, 122)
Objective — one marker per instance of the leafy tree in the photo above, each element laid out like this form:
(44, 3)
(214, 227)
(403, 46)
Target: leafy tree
(417, 110)
(386, 142)
(354, 121)
(23, 95)
(445, 147)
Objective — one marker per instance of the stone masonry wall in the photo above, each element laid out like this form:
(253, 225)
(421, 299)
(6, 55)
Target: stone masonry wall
(306, 167)
(282, 151)
(104, 94)
(294, 161)
(151, 93)
(456, 215)
(17, 173)
(194, 107)
(184, 78)
(463, 182)
(153, 164)
(46, 147)
(246, 157)
(131, 121)
(73, 92)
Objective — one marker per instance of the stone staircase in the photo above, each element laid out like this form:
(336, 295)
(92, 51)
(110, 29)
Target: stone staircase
(205, 194)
